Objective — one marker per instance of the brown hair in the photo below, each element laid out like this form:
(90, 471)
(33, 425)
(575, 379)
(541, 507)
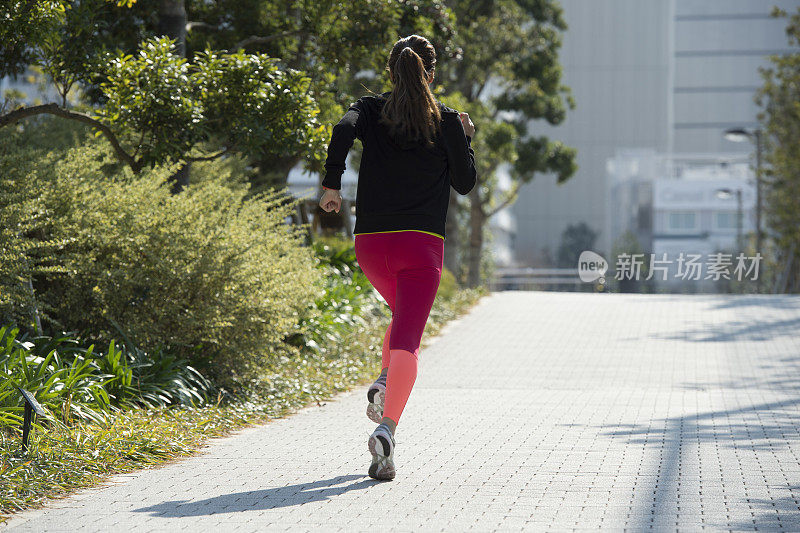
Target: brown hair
(411, 110)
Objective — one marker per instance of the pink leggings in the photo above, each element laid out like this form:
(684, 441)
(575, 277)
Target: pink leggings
(405, 268)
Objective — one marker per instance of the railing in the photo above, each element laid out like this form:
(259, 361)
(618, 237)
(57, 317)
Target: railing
(527, 278)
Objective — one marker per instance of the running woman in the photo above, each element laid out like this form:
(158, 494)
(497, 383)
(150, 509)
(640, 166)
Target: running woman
(414, 149)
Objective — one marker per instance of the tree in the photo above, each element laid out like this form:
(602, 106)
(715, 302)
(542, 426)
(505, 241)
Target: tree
(157, 106)
(338, 44)
(628, 246)
(508, 77)
(575, 239)
(22, 23)
(779, 98)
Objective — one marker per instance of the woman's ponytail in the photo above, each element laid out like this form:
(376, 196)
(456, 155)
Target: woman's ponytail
(411, 111)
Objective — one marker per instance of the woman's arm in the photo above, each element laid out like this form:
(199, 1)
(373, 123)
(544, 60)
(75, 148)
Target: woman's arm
(350, 127)
(460, 156)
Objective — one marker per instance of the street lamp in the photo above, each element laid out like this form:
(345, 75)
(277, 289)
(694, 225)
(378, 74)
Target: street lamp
(724, 194)
(742, 135)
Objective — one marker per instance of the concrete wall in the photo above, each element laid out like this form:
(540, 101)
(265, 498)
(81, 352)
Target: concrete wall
(670, 75)
(719, 46)
(616, 60)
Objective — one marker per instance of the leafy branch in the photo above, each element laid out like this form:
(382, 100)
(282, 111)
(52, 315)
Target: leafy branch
(54, 109)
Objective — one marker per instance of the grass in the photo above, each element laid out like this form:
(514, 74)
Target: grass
(62, 458)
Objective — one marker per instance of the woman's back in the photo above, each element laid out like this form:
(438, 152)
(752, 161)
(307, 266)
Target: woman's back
(402, 183)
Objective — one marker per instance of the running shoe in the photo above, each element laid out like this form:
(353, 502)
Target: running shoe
(376, 395)
(381, 446)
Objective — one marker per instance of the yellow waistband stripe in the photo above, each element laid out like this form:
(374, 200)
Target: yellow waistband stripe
(401, 230)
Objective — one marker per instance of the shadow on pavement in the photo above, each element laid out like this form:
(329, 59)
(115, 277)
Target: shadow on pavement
(256, 500)
(763, 427)
(755, 431)
(772, 301)
(778, 514)
(754, 320)
(742, 330)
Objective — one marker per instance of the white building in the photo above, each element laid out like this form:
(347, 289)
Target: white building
(681, 204)
(664, 75)
(503, 225)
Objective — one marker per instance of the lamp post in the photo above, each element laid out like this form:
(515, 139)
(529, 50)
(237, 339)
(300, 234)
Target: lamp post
(725, 194)
(742, 135)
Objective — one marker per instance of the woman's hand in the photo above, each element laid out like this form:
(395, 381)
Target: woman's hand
(469, 127)
(331, 200)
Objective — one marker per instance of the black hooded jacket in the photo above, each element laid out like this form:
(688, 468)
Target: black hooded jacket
(402, 184)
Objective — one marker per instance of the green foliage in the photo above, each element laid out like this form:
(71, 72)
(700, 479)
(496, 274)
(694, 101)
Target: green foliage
(265, 111)
(66, 382)
(779, 98)
(341, 45)
(261, 105)
(347, 301)
(448, 286)
(331, 41)
(21, 23)
(151, 94)
(69, 50)
(157, 106)
(26, 249)
(80, 383)
(151, 379)
(217, 277)
(242, 102)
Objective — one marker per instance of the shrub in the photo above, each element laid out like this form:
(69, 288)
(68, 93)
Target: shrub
(25, 248)
(67, 382)
(347, 301)
(213, 275)
(448, 286)
(77, 382)
(156, 378)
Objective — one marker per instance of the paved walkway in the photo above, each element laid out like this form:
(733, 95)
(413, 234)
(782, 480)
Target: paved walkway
(538, 411)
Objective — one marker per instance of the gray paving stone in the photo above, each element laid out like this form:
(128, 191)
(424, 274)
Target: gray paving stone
(536, 412)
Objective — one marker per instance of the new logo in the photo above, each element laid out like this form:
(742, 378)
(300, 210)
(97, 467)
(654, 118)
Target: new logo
(591, 267)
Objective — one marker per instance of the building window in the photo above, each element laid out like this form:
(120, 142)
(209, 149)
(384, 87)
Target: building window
(682, 221)
(725, 220)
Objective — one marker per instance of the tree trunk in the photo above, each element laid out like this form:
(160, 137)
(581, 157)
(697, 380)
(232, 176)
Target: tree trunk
(477, 219)
(347, 219)
(453, 236)
(302, 212)
(172, 23)
(181, 178)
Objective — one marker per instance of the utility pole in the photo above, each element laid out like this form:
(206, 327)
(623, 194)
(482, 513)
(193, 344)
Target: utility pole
(757, 136)
(742, 135)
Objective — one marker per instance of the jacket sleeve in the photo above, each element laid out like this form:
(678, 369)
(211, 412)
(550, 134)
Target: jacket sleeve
(460, 156)
(350, 127)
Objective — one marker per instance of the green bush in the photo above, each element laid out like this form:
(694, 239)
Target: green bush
(67, 382)
(213, 275)
(156, 378)
(81, 383)
(346, 302)
(448, 286)
(26, 249)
